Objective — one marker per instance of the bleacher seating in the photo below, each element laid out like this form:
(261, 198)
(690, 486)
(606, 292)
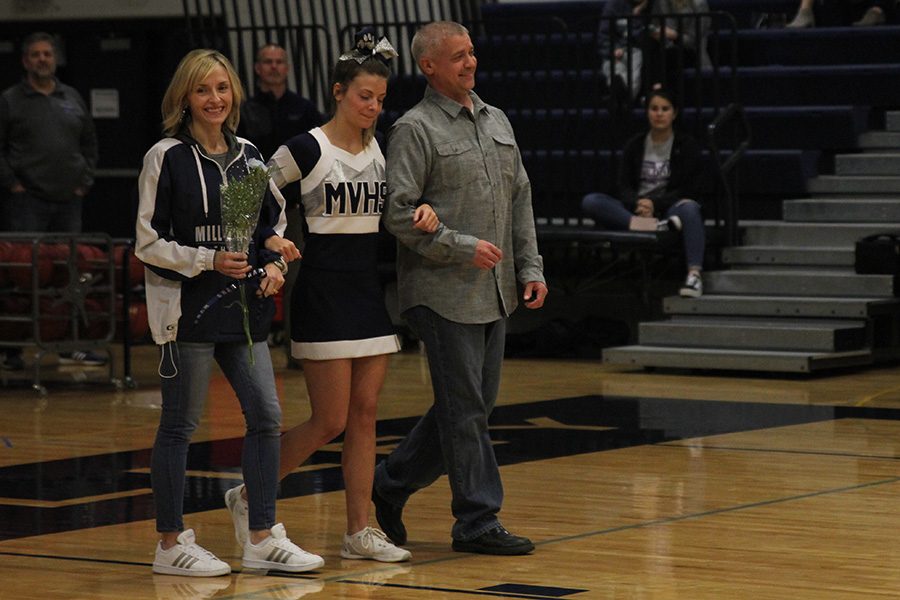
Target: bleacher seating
(778, 127)
(821, 46)
(798, 85)
(788, 299)
(563, 174)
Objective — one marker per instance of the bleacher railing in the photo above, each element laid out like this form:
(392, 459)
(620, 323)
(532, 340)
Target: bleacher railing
(309, 31)
(730, 127)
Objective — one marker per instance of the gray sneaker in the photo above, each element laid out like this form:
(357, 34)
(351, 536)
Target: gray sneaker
(278, 553)
(188, 558)
(372, 544)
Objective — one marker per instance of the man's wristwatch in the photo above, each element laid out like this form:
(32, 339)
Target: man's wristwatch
(282, 266)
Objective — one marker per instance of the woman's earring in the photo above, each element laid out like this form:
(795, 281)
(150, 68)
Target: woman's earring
(185, 112)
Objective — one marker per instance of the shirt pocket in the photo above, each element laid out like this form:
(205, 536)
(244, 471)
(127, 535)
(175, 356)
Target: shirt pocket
(507, 157)
(457, 163)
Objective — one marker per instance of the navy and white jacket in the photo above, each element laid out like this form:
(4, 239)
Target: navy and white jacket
(179, 229)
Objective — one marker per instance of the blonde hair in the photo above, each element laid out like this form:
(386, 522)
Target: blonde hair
(194, 68)
(429, 37)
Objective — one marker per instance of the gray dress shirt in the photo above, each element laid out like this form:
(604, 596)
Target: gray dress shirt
(467, 166)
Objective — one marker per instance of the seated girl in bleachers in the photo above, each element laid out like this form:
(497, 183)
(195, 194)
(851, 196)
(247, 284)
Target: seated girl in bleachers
(657, 184)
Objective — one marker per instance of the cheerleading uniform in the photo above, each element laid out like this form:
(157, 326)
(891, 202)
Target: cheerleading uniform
(337, 304)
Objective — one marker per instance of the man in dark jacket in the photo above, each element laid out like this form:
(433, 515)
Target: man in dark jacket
(48, 153)
(275, 114)
(48, 147)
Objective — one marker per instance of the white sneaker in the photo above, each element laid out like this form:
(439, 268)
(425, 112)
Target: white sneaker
(240, 514)
(278, 553)
(372, 544)
(673, 223)
(188, 558)
(693, 286)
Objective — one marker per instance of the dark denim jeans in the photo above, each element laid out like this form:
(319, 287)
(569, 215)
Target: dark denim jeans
(24, 212)
(612, 214)
(184, 371)
(452, 437)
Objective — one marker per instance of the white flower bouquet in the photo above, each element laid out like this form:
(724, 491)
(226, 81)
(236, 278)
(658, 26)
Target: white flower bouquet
(241, 200)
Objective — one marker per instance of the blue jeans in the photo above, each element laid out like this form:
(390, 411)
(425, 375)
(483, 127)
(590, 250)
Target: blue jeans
(24, 212)
(452, 437)
(184, 371)
(612, 214)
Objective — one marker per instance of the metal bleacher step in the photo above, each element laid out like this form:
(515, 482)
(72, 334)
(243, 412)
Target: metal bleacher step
(797, 282)
(892, 120)
(741, 360)
(843, 210)
(807, 256)
(877, 141)
(786, 334)
(843, 184)
(867, 164)
(781, 233)
(780, 306)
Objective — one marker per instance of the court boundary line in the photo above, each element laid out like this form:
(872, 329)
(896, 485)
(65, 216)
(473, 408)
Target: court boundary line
(781, 451)
(350, 578)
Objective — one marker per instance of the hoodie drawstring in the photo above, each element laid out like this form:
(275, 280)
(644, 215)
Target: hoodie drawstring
(202, 181)
(173, 349)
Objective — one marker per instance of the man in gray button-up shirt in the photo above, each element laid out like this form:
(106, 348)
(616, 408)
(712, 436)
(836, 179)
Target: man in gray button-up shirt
(457, 285)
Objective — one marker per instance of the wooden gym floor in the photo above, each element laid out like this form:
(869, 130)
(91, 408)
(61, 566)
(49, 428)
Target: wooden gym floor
(634, 485)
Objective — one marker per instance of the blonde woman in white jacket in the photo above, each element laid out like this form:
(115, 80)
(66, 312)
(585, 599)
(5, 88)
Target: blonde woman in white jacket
(180, 240)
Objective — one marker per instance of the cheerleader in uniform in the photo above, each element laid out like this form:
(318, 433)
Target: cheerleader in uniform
(340, 327)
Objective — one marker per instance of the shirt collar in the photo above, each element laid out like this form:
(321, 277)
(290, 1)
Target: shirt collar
(452, 107)
(30, 91)
(261, 95)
